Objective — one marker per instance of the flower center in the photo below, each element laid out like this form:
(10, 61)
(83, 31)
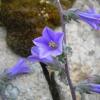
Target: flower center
(52, 44)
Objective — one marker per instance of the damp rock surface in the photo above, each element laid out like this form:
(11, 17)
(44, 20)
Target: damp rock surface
(25, 20)
(26, 87)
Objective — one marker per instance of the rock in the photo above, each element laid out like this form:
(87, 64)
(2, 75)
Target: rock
(84, 42)
(92, 97)
(27, 87)
(85, 58)
(34, 86)
(64, 90)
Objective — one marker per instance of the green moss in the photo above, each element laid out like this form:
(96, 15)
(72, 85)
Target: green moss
(25, 19)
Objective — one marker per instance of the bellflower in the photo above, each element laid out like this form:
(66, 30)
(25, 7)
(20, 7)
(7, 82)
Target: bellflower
(35, 56)
(91, 17)
(20, 68)
(50, 43)
(95, 88)
(88, 87)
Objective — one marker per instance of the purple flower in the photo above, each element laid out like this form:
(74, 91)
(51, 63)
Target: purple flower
(35, 56)
(50, 43)
(90, 17)
(95, 88)
(20, 68)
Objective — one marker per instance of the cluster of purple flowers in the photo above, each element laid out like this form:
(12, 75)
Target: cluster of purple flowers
(46, 47)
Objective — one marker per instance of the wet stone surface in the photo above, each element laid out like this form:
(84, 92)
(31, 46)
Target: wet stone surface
(25, 20)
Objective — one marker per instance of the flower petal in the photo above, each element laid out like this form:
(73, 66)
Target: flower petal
(40, 41)
(33, 58)
(95, 90)
(48, 33)
(90, 17)
(95, 86)
(44, 52)
(20, 68)
(48, 59)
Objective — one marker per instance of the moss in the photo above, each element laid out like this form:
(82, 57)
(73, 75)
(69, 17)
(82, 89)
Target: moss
(25, 19)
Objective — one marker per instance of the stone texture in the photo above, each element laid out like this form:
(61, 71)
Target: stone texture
(84, 42)
(92, 97)
(32, 86)
(85, 58)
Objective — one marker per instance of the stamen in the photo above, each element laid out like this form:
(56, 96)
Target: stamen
(52, 44)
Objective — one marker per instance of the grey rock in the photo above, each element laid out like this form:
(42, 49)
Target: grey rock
(92, 97)
(85, 58)
(26, 87)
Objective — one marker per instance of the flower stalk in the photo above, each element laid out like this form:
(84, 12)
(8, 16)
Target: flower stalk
(60, 9)
(61, 18)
